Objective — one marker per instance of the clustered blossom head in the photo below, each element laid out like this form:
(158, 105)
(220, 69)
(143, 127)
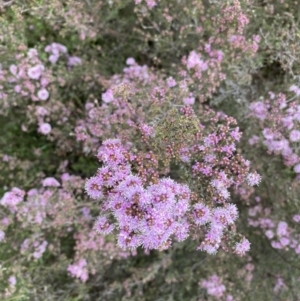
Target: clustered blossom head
(12, 198)
(204, 68)
(79, 270)
(280, 123)
(242, 247)
(55, 50)
(147, 216)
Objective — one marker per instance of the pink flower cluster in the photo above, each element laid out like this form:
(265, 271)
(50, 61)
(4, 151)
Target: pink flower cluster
(79, 270)
(34, 245)
(28, 76)
(280, 120)
(149, 216)
(279, 233)
(57, 50)
(203, 68)
(145, 216)
(215, 288)
(240, 42)
(12, 198)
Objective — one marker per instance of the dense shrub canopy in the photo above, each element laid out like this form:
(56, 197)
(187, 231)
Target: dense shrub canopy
(150, 150)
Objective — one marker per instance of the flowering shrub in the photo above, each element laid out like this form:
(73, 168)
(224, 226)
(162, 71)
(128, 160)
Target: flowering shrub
(149, 150)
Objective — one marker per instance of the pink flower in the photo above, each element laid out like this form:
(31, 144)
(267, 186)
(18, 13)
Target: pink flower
(44, 82)
(193, 60)
(12, 280)
(253, 178)
(43, 94)
(242, 247)
(108, 96)
(35, 72)
(32, 53)
(282, 229)
(93, 188)
(295, 135)
(79, 270)
(232, 211)
(236, 134)
(253, 140)
(171, 82)
(201, 214)
(13, 69)
(269, 234)
(148, 131)
(295, 89)
(12, 198)
(297, 168)
(284, 241)
(130, 61)
(102, 225)
(50, 182)
(214, 286)
(74, 60)
(189, 100)
(296, 218)
(17, 88)
(41, 111)
(53, 58)
(45, 128)
(151, 3)
(258, 110)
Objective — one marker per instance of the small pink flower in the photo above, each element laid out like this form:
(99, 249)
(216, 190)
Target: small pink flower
(282, 229)
(102, 226)
(242, 247)
(35, 72)
(13, 69)
(74, 60)
(189, 100)
(43, 94)
(130, 61)
(108, 96)
(17, 88)
(193, 60)
(295, 135)
(171, 82)
(41, 111)
(297, 168)
(296, 218)
(253, 178)
(53, 58)
(44, 82)
(50, 182)
(32, 53)
(202, 214)
(295, 89)
(12, 280)
(45, 128)
(253, 140)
